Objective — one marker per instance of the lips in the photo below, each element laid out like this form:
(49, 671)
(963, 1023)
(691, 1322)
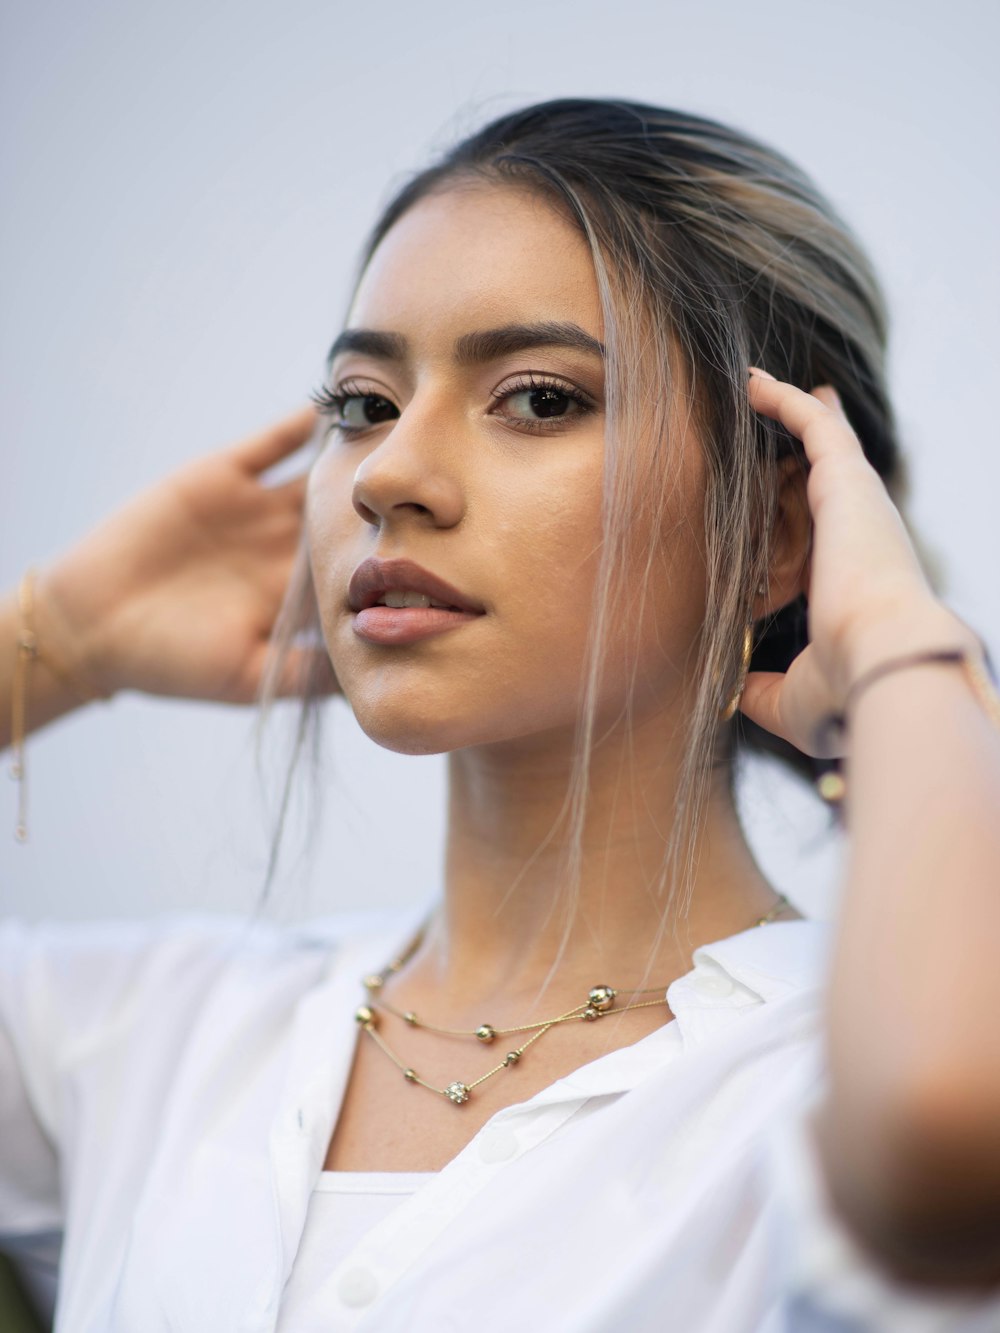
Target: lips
(373, 578)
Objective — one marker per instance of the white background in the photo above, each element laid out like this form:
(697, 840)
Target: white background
(185, 189)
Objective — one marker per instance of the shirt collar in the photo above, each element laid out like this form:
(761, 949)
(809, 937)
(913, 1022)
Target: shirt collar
(730, 979)
(772, 960)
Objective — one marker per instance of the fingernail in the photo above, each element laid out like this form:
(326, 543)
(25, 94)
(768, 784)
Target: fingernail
(756, 370)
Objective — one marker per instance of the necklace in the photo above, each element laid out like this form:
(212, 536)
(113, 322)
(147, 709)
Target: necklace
(599, 1001)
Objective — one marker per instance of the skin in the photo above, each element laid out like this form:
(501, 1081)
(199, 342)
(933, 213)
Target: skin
(460, 482)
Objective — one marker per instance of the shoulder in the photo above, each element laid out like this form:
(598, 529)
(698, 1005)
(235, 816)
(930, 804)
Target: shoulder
(127, 941)
(66, 979)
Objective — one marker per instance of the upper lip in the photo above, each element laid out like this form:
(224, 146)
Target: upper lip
(373, 578)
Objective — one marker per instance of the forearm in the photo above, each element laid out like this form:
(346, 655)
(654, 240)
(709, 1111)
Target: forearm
(911, 1129)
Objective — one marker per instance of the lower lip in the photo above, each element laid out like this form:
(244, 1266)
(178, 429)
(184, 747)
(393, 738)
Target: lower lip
(407, 624)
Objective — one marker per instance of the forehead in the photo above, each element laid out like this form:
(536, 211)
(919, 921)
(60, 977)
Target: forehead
(493, 252)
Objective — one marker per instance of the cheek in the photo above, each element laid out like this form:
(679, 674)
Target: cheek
(547, 542)
(664, 609)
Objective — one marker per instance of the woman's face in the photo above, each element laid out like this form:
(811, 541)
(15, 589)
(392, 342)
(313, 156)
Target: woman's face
(468, 438)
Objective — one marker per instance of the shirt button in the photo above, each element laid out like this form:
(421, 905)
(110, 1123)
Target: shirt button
(358, 1286)
(716, 985)
(497, 1145)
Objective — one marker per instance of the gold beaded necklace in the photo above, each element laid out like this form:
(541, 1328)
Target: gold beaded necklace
(600, 1000)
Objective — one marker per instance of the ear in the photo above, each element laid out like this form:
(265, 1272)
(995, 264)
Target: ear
(791, 539)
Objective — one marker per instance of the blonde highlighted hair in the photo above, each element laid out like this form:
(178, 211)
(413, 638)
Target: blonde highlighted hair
(713, 252)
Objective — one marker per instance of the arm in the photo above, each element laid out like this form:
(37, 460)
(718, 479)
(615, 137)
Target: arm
(909, 1133)
(176, 593)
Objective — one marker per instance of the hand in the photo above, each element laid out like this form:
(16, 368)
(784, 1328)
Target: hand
(868, 597)
(177, 592)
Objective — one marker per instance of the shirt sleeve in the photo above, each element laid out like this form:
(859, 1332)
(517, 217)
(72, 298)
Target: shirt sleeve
(29, 1164)
(831, 1284)
(64, 987)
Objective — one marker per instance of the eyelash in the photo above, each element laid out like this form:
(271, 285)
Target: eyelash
(331, 402)
(528, 382)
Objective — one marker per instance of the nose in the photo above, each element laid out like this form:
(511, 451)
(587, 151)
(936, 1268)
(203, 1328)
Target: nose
(408, 473)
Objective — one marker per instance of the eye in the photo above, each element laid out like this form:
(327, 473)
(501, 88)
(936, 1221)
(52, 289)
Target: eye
(547, 402)
(351, 410)
(538, 404)
(358, 410)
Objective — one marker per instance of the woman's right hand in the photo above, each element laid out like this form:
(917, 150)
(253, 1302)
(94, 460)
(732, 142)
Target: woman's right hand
(177, 592)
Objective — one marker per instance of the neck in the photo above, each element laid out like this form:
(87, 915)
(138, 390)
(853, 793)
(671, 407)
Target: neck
(498, 929)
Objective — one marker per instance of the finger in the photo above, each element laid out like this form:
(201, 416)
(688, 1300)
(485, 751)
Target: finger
(293, 490)
(270, 446)
(816, 418)
(763, 702)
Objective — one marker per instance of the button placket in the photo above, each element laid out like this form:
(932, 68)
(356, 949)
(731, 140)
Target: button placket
(498, 1144)
(716, 985)
(357, 1287)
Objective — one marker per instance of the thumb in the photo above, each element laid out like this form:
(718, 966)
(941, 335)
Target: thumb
(760, 701)
(792, 705)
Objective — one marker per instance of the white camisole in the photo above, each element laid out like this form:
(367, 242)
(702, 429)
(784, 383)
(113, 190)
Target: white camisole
(342, 1207)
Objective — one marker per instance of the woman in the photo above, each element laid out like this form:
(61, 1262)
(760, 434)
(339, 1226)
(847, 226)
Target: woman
(582, 469)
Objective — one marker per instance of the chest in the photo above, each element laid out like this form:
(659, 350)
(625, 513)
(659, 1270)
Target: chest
(387, 1123)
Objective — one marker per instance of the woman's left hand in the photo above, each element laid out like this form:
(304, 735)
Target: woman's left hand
(868, 596)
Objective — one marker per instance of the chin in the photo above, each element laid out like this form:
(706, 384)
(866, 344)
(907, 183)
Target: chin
(424, 731)
(396, 721)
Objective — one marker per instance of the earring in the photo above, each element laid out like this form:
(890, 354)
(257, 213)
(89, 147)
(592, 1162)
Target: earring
(731, 707)
(733, 703)
(831, 787)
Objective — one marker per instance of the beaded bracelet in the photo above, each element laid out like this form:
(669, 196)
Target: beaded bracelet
(983, 679)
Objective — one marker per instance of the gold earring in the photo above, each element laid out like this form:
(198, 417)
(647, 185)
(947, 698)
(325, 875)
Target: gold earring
(731, 707)
(734, 702)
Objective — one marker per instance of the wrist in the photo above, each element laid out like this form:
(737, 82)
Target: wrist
(67, 626)
(922, 626)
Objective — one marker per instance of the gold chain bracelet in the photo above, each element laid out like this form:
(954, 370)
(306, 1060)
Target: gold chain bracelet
(28, 651)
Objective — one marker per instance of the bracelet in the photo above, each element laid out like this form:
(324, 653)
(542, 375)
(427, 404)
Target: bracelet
(28, 651)
(982, 678)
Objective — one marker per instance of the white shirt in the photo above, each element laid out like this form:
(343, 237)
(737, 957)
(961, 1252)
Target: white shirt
(168, 1090)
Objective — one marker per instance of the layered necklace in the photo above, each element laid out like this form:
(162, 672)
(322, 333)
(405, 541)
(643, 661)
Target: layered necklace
(599, 1001)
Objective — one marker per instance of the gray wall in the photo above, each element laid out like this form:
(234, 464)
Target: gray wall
(185, 189)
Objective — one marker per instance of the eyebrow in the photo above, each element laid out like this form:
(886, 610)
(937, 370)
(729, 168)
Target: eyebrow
(471, 349)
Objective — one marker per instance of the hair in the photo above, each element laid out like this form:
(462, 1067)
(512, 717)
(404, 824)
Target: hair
(712, 252)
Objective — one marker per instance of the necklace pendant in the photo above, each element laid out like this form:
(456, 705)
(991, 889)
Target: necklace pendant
(486, 1033)
(511, 1058)
(591, 1013)
(458, 1092)
(602, 997)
